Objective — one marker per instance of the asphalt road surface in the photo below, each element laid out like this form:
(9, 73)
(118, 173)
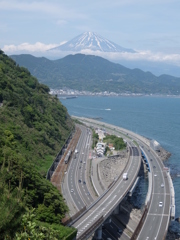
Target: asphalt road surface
(114, 196)
(158, 216)
(75, 184)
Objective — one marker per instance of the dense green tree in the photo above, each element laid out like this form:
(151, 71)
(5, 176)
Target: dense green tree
(96, 74)
(117, 142)
(33, 127)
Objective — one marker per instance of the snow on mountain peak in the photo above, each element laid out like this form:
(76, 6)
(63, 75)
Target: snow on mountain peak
(91, 41)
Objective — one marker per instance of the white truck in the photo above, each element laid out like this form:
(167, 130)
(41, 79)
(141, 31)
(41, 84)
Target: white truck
(125, 176)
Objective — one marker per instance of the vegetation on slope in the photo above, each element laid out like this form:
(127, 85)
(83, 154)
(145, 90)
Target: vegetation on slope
(117, 142)
(33, 128)
(96, 74)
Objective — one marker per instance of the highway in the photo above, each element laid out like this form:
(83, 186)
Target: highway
(75, 185)
(114, 230)
(157, 220)
(109, 201)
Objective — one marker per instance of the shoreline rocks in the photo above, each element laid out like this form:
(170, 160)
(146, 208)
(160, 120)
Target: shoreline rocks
(163, 154)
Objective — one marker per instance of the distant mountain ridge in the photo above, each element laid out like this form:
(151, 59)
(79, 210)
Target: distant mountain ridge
(91, 41)
(96, 74)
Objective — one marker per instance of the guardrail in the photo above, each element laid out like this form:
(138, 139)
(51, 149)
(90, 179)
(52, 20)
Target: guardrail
(98, 223)
(93, 228)
(140, 224)
(98, 199)
(75, 216)
(145, 141)
(123, 196)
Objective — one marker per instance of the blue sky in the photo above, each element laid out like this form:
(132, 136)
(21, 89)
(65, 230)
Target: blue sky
(152, 27)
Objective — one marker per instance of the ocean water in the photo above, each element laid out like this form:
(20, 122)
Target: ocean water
(153, 117)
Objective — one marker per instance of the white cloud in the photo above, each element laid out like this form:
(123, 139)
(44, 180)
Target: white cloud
(39, 47)
(140, 55)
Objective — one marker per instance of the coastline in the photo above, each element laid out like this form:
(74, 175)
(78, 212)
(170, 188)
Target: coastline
(163, 155)
(76, 93)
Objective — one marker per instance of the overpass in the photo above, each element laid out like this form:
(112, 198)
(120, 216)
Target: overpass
(101, 209)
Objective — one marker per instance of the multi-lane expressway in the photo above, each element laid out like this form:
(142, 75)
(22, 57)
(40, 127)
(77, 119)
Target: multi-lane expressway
(75, 187)
(157, 220)
(103, 208)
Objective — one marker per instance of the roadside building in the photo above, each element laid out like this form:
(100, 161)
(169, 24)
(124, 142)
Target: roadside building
(101, 133)
(111, 147)
(100, 149)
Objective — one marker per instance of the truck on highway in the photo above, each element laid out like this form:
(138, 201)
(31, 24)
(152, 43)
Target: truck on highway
(125, 176)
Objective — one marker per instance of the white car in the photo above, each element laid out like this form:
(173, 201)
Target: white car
(162, 185)
(160, 204)
(72, 190)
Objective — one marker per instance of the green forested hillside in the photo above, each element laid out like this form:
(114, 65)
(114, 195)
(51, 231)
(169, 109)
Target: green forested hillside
(33, 128)
(96, 74)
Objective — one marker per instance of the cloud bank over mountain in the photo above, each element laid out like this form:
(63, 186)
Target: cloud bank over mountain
(91, 43)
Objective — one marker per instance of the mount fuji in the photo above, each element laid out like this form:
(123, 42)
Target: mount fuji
(91, 41)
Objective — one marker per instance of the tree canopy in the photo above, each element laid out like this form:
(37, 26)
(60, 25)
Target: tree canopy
(33, 128)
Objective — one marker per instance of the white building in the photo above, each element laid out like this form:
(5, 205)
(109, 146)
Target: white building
(100, 148)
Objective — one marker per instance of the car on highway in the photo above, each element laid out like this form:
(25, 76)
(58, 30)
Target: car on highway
(81, 161)
(72, 190)
(84, 162)
(160, 204)
(154, 166)
(162, 185)
(84, 182)
(119, 230)
(79, 180)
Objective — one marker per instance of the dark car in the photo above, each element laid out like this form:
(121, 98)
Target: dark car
(119, 230)
(80, 180)
(84, 182)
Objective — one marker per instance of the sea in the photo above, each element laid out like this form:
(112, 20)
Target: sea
(153, 117)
